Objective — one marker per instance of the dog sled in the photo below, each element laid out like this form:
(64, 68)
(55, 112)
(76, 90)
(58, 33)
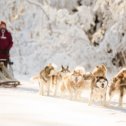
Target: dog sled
(6, 74)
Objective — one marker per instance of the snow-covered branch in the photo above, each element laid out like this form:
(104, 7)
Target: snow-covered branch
(41, 7)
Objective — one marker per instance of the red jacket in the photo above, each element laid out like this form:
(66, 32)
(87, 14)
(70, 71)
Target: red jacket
(5, 43)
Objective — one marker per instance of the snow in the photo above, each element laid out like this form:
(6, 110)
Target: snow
(49, 31)
(23, 106)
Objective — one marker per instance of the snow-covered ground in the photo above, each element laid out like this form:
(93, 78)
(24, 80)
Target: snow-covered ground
(22, 106)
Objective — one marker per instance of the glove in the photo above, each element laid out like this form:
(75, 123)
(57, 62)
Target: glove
(4, 51)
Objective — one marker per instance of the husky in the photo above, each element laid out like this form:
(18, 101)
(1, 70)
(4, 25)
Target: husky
(56, 78)
(49, 79)
(61, 74)
(64, 71)
(45, 79)
(100, 70)
(118, 84)
(73, 84)
(99, 84)
(98, 90)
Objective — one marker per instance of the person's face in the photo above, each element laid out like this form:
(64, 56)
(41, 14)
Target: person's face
(3, 26)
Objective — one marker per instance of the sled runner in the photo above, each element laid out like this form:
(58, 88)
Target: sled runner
(6, 74)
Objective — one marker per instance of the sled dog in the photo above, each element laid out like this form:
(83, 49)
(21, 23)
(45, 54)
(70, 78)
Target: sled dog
(100, 70)
(98, 90)
(73, 84)
(45, 79)
(118, 84)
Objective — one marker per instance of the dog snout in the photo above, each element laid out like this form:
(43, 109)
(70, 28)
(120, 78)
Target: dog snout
(102, 85)
(76, 79)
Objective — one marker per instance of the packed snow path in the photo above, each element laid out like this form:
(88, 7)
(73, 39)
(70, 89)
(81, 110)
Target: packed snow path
(22, 106)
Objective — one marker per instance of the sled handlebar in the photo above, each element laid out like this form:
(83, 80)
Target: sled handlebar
(6, 60)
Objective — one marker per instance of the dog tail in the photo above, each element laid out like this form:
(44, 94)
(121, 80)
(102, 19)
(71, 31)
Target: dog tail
(35, 78)
(80, 69)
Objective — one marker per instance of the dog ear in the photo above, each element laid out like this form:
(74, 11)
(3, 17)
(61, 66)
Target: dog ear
(67, 67)
(103, 67)
(62, 67)
(74, 72)
(107, 81)
(98, 78)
